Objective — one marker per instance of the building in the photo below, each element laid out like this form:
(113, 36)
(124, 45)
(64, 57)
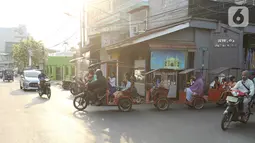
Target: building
(8, 37)
(153, 34)
(59, 67)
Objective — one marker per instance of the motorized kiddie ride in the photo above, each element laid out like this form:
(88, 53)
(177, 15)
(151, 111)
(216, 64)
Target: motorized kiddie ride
(234, 109)
(45, 88)
(219, 95)
(161, 87)
(124, 103)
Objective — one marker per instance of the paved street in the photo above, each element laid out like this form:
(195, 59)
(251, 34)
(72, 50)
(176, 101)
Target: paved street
(26, 118)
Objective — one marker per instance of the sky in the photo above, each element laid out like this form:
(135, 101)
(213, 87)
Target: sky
(45, 19)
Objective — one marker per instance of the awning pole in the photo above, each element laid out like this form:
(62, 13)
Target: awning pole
(117, 72)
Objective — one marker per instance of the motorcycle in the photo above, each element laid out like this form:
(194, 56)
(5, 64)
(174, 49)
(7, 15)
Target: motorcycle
(82, 100)
(45, 88)
(76, 86)
(233, 111)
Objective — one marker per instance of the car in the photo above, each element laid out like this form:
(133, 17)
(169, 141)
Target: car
(29, 80)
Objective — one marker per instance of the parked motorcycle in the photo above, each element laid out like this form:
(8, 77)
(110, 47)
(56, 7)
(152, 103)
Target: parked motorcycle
(45, 88)
(76, 86)
(234, 108)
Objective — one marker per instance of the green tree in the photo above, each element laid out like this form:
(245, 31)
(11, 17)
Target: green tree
(21, 56)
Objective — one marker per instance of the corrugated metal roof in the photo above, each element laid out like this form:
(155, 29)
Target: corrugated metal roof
(187, 71)
(219, 70)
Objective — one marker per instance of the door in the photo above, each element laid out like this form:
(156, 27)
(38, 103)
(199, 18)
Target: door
(58, 73)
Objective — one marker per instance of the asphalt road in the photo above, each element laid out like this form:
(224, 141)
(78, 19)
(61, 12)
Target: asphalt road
(26, 118)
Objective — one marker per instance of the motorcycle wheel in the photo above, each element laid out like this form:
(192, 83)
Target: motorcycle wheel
(222, 100)
(162, 104)
(125, 105)
(49, 93)
(73, 89)
(225, 121)
(40, 92)
(82, 103)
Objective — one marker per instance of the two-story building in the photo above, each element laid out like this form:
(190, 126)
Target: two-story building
(8, 37)
(177, 34)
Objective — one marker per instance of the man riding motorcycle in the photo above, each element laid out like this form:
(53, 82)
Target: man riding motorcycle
(99, 86)
(41, 78)
(246, 86)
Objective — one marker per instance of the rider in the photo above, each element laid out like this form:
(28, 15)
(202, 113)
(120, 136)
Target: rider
(196, 89)
(98, 86)
(246, 86)
(41, 77)
(90, 76)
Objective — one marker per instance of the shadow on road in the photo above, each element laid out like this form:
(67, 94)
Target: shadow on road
(237, 128)
(35, 101)
(115, 126)
(21, 92)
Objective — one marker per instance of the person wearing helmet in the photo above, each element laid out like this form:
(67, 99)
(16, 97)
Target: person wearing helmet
(41, 78)
(98, 86)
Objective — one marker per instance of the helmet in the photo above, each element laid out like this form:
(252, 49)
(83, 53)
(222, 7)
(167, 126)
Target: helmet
(99, 73)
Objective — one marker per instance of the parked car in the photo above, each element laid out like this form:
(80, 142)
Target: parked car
(29, 80)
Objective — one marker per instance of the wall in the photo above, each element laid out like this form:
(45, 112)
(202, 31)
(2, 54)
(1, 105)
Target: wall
(138, 22)
(182, 35)
(164, 12)
(61, 62)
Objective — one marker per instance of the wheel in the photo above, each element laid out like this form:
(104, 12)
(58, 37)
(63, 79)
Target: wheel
(49, 93)
(82, 103)
(222, 100)
(225, 122)
(198, 103)
(162, 104)
(125, 105)
(73, 89)
(40, 92)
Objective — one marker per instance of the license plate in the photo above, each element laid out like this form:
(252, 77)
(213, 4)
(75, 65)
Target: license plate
(232, 99)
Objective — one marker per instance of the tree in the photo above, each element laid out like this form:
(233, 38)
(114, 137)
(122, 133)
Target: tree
(21, 56)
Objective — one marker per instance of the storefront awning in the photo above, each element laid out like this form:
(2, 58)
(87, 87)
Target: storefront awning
(219, 70)
(187, 71)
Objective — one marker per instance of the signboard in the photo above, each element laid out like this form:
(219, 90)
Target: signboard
(170, 59)
(225, 41)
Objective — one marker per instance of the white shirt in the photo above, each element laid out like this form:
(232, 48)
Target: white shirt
(113, 82)
(248, 83)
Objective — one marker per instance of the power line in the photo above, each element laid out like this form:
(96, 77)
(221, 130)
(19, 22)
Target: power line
(174, 11)
(64, 40)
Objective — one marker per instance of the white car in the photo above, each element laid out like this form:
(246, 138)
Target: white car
(29, 80)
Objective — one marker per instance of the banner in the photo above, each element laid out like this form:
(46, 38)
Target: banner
(169, 59)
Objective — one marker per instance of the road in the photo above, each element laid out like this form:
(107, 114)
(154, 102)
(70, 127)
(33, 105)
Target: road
(26, 118)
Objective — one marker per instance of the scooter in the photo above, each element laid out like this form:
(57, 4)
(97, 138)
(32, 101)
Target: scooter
(45, 88)
(233, 111)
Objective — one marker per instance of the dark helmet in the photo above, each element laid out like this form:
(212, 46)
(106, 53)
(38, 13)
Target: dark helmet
(99, 73)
